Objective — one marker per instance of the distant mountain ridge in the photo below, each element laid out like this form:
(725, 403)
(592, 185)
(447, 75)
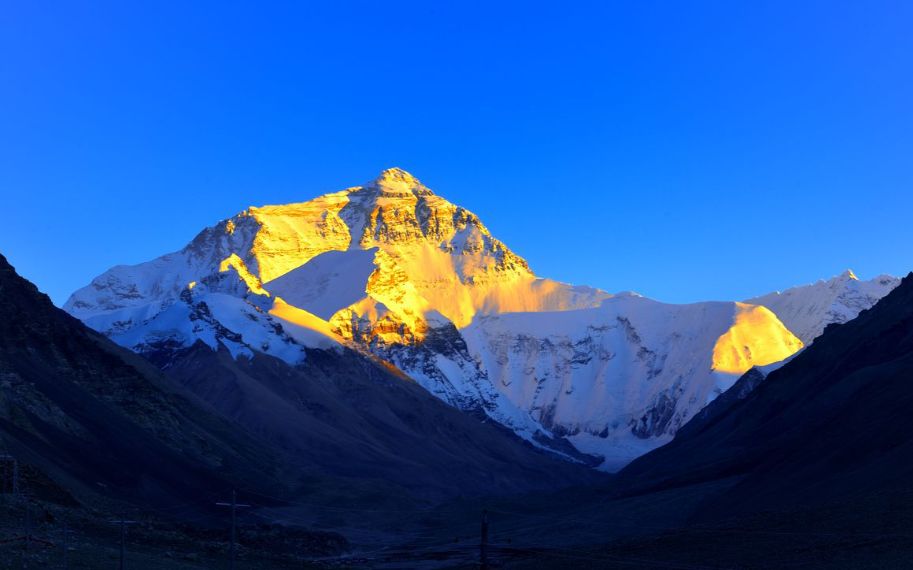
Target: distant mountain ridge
(808, 309)
(393, 270)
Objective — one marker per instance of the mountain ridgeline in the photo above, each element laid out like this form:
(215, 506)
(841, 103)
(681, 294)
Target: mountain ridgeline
(395, 273)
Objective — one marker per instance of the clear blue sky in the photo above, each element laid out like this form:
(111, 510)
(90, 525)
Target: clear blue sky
(685, 150)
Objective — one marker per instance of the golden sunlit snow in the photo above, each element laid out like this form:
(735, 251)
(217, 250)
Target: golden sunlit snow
(756, 338)
(431, 256)
(236, 263)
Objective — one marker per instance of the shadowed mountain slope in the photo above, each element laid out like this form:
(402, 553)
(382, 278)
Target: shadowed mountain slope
(97, 418)
(346, 415)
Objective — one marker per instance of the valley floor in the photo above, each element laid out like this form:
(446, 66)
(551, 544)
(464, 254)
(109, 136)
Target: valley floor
(151, 544)
(576, 528)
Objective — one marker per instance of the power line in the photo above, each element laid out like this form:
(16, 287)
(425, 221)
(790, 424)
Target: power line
(483, 542)
(123, 541)
(66, 545)
(27, 535)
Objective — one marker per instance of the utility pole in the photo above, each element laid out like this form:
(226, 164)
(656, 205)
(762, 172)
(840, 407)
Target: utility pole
(483, 543)
(66, 546)
(27, 535)
(7, 457)
(123, 541)
(234, 507)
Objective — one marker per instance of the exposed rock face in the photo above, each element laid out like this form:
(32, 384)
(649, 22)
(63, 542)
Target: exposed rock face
(391, 269)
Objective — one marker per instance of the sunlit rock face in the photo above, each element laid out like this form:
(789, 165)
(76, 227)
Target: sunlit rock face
(398, 273)
(411, 254)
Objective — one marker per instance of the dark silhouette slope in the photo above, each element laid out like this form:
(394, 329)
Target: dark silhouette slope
(97, 419)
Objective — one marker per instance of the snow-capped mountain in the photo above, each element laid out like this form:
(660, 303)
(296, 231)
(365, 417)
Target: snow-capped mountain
(399, 273)
(378, 261)
(808, 309)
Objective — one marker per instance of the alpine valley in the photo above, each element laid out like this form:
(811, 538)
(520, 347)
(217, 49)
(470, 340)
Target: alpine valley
(391, 280)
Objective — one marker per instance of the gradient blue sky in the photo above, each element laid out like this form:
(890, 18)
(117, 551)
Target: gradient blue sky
(689, 151)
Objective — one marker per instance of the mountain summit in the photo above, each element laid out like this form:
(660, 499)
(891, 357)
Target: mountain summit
(395, 271)
(398, 181)
(407, 253)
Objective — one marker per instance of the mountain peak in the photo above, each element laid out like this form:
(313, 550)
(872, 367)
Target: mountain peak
(807, 309)
(398, 181)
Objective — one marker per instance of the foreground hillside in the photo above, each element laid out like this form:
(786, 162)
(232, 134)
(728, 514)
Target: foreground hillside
(98, 419)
